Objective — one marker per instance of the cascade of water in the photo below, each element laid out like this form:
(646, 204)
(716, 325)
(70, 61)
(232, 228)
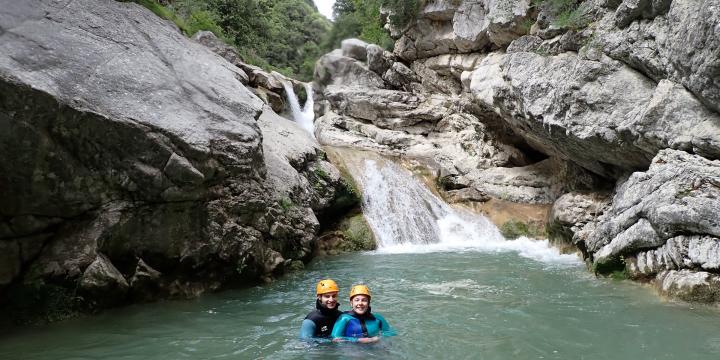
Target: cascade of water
(407, 217)
(303, 116)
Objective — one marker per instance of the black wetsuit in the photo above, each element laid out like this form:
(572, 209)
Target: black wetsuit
(323, 320)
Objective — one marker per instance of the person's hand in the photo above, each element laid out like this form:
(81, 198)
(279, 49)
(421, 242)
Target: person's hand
(369, 340)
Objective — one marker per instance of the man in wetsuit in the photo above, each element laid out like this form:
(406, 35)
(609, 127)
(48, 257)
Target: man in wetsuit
(319, 323)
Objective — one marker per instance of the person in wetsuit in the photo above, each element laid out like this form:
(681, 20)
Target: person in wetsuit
(360, 324)
(319, 323)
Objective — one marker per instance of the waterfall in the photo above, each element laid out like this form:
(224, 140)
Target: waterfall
(407, 217)
(305, 115)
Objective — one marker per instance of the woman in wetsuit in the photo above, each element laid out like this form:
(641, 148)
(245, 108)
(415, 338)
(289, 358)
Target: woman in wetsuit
(360, 324)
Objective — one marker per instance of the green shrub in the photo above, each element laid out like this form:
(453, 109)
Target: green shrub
(203, 20)
(570, 14)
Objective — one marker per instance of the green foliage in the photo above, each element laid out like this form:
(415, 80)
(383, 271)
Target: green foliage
(402, 12)
(286, 204)
(281, 35)
(570, 14)
(357, 235)
(321, 174)
(619, 275)
(357, 19)
(163, 12)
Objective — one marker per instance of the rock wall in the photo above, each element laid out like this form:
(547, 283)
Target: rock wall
(608, 110)
(135, 164)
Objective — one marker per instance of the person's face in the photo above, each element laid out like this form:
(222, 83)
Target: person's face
(360, 304)
(329, 300)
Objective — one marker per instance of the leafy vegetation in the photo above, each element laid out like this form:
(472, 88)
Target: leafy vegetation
(570, 14)
(282, 35)
(357, 19)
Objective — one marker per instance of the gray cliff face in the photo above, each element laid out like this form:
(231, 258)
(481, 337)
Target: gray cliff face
(613, 119)
(136, 164)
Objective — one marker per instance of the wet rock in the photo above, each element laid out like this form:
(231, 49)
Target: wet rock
(572, 212)
(10, 262)
(145, 283)
(102, 283)
(271, 98)
(690, 286)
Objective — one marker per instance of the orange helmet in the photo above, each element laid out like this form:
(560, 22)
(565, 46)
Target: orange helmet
(326, 286)
(359, 290)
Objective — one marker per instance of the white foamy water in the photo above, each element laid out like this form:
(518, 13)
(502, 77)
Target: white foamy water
(305, 115)
(407, 217)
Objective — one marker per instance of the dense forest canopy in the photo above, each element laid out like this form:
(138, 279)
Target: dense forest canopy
(285, 35)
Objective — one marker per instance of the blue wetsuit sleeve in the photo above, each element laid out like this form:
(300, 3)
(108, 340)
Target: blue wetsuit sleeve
(307, 329)
(386, 329)
(307, 332)
(339, 329)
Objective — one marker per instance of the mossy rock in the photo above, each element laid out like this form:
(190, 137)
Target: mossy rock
(37, 302)
(349, 235)
(513, 229)
(357, 235)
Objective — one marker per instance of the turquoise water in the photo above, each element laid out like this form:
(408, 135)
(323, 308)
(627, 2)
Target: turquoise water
(460, 305)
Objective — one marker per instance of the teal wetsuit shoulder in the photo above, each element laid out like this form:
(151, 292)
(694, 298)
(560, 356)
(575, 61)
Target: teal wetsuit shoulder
(352, 327)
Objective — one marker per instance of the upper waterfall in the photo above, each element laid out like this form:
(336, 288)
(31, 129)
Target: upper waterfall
(305, 115)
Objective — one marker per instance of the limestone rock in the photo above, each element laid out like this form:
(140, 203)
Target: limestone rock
(572, 212)
(690, 286)
(127, 140)
(474, 25)
(379, 60)
(354, 48)
(680, 43)
(599, 113)
(677, 196)
(335, 69)
(181, 171)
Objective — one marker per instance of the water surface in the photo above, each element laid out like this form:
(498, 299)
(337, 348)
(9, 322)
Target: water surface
(448, 304)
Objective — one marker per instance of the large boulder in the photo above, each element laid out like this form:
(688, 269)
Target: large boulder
(678, 43)
(123, 140)
(448, 27)
(595, 111)
(669, 209)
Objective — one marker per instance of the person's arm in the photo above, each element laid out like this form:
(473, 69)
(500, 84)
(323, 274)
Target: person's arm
(385, 328)
(339, 330)
(307, 330)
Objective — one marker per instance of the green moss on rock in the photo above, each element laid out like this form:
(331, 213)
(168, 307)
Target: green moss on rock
(513, 229)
